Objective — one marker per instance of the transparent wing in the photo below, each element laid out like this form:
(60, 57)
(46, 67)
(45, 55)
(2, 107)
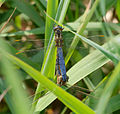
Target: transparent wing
(35, 45)
(34, 48)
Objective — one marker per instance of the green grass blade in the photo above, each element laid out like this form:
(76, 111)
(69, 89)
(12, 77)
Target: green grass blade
(70, 101)
(44, 101)
(107, 92)
(51, 10)
(118, 9)
(64, 10)
(113, 104)
(103, 8)
(27, 32)
(80, 30)
(91, 62)
(66, 98)
(50, 56)
(108, 54)
(13, 80)
(48, 68)
(29, 10)
(21, 56)
(1, 2)
(7, 96)
(43, 2)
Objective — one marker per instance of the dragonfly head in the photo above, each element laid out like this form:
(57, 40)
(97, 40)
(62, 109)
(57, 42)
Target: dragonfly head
(57, 27)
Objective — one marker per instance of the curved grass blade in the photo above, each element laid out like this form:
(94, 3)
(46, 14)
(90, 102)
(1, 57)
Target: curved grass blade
(66, 98)
(83, 68)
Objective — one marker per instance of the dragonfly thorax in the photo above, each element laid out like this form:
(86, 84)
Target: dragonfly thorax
(58, 36)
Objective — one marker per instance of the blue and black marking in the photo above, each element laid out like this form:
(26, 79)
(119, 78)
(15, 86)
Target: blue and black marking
(62, 78)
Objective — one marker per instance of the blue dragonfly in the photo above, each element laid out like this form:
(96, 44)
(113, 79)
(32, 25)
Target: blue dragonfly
(60, 63)
(62, 78)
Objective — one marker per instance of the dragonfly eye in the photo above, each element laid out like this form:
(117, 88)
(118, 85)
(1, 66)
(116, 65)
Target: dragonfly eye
(60, 28)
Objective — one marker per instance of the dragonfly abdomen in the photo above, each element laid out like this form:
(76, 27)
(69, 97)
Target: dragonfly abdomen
(61, 63)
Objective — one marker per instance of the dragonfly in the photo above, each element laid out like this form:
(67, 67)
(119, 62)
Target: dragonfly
(62, 78)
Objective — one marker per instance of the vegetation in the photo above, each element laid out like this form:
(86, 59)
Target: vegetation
(91, 30)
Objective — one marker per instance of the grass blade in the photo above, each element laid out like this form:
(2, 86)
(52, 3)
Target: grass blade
(51, 10)
(29, 10)
(66, 98)
(86, 18)
(27, 32)
(91, 62)
(115, 77)
(50, 56)
(113, 104)
(1, 2)
(13, 79)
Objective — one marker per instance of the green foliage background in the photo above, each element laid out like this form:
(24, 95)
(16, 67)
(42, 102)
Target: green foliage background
(94, 66)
